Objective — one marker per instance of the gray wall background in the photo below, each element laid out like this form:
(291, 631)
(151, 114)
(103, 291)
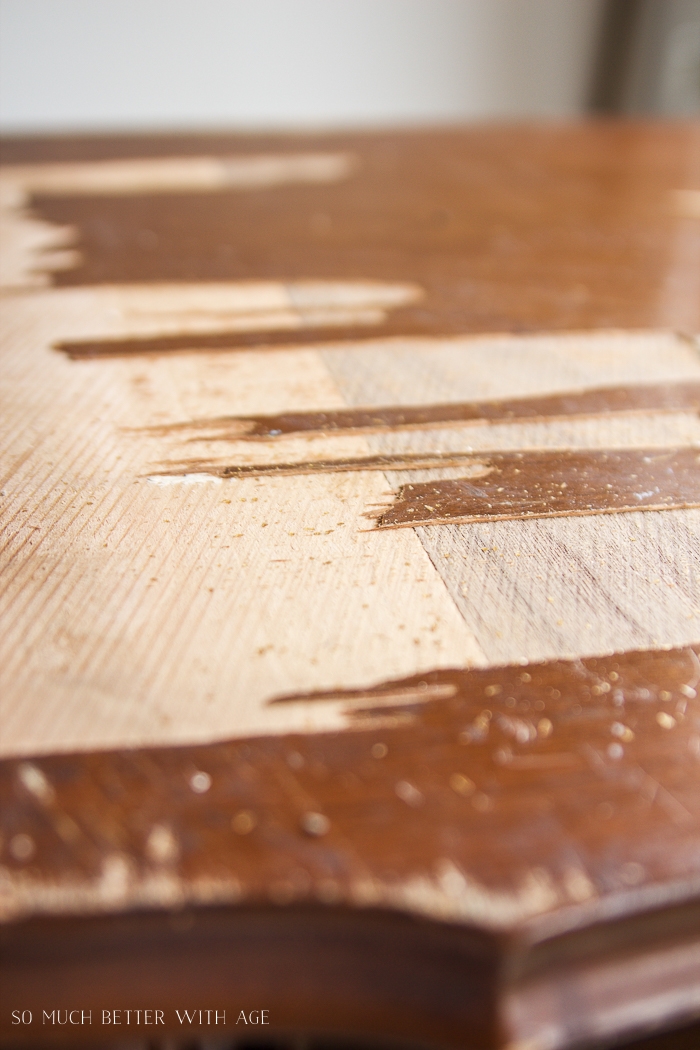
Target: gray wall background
(91, 64)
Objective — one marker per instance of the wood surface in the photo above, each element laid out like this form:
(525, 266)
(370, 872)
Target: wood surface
(437, 783)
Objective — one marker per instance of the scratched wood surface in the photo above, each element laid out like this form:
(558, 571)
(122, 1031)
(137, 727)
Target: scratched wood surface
(237, 696)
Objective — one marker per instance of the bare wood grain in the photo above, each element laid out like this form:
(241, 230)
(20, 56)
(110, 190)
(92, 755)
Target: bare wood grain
(547, 589)
(137, 613)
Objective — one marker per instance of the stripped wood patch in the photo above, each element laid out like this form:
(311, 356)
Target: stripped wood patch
(175, 316)
(543, 588)
(143, 175)
(106, 574)
(554, 484)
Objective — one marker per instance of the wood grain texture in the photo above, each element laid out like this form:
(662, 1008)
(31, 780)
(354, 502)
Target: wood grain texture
(107, 573)
(546, 589)
(108, 576)
(446, 775)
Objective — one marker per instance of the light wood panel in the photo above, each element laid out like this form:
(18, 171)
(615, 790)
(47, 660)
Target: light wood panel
(141, 614)
(579, 587)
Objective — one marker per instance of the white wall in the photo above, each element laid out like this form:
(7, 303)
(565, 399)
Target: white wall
(145, 63)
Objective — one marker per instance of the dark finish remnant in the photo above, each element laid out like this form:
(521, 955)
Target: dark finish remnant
(289, 338)
(418, 461)
(546, 484)
(682, 396)
(547, 816)
(527, 228)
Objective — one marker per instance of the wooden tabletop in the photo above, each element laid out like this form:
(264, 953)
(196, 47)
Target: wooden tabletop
(350, 609)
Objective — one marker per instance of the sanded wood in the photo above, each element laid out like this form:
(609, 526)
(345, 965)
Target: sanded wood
(587, 582)
(437, 782)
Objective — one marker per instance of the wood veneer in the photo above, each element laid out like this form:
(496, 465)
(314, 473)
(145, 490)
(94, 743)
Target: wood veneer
(435, 783)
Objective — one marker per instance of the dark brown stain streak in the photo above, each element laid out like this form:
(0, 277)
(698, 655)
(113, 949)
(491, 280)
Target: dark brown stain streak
(322, 466)
(290, 338)
(546, 484)
(683, 396)
(663, 678)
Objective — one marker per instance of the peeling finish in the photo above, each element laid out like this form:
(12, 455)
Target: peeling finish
(267, 333)
(161, 845)
(649, 397)
(554, 484)
(200, 782)
(509, 766)
(210, 470)
(198, 315)
(116, 888)
(315, 824)
(143, 175)
(34, 781)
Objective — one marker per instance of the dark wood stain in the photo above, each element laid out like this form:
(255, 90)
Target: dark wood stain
(289, 338)
(507, 228)
(579, 777)
(545, 484)
(329, 977)
(683, 396)
(423, 461)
